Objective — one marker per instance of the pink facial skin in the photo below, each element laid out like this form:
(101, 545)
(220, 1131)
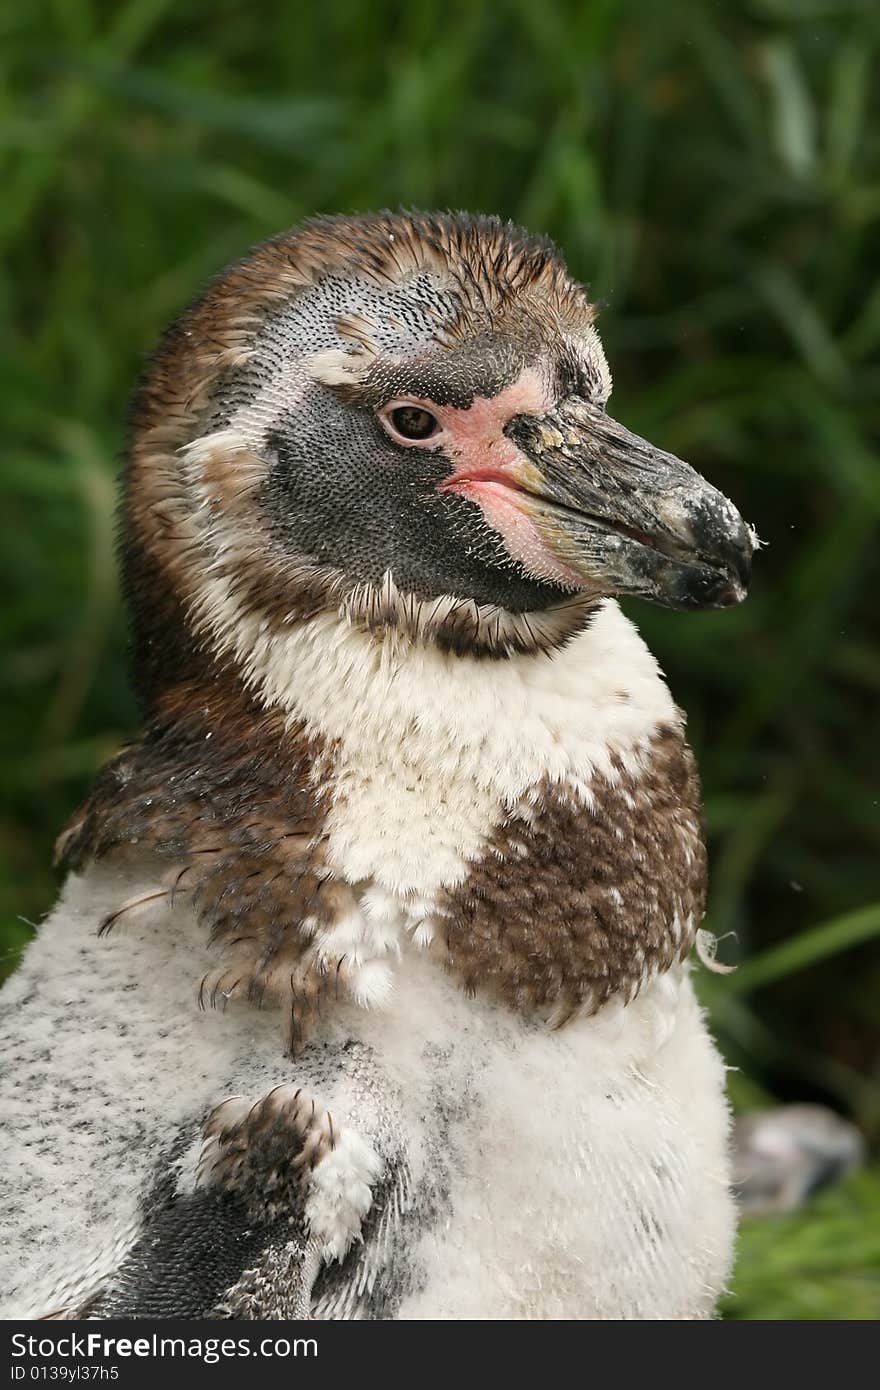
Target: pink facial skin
(485, 464)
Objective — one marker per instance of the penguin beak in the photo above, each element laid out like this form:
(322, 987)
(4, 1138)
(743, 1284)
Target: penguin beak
(623, 517)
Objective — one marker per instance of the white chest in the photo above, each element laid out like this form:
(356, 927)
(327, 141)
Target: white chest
(431, 751)
(574, 1173)
(583, 1171)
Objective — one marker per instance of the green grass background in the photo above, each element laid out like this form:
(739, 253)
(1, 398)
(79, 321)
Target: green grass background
(711, 170)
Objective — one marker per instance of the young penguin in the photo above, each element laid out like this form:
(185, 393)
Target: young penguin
(410, 778)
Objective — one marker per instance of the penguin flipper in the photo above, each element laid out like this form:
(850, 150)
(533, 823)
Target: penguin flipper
(279, 1191)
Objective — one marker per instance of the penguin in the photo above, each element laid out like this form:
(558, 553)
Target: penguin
(368, 992)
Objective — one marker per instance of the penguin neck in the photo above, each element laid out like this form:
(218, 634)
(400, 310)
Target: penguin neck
(562, 715)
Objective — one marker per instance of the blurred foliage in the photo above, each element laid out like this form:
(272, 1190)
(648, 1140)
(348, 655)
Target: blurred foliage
(711, 170)
(820, 1263)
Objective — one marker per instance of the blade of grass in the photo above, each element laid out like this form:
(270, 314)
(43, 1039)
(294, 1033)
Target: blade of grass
(808, 948)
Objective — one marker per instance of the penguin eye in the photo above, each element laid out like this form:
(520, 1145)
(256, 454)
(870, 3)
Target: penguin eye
(409, 423)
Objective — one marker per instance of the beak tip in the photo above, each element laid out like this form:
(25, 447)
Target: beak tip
(733, 593)
(726, 543)
(701, 588)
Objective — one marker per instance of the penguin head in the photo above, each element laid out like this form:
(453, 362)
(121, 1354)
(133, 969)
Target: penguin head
(401, 418)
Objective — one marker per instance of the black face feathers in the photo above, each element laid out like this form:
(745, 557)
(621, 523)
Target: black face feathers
(343, 495)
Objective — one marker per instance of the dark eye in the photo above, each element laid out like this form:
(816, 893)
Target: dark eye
(412, 422)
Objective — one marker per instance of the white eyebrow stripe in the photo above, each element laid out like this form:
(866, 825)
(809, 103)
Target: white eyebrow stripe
(340, 367)
(275, 397)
